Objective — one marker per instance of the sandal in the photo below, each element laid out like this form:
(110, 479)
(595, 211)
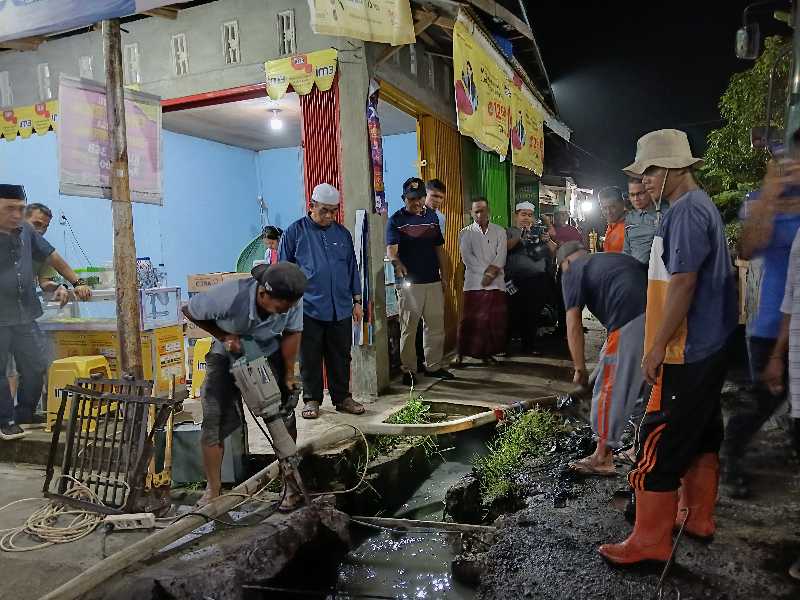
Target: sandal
(311, 410)
(350, 406)
(627, 457)
(585, 467)
(292, 498)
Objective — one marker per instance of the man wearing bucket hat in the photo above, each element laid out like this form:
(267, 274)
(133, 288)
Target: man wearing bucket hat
(691, 312)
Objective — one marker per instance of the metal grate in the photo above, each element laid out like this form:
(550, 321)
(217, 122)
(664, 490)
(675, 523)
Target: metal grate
(287, 43)
(45, 89)
(109, 444)
(131, 72)
(6, 96)
(230, 43)
(180, 54)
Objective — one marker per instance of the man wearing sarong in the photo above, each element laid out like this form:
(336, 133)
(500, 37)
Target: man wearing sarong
(482, 330)
(613, 286)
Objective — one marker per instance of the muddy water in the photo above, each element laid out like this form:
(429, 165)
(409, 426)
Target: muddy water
(411, 565)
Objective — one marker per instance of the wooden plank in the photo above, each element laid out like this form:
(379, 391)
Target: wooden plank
(165, 12)
(441, 21)
(426, 20)
(494, 9)
(23, 44)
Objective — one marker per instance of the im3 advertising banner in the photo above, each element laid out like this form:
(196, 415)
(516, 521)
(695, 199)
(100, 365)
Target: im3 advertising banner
(386, 21)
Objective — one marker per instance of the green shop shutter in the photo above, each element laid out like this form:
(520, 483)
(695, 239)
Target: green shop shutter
(489, 177)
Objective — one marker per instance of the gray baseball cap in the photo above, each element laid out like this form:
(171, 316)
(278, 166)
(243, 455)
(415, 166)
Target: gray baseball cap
(566, 249)
(282, 280)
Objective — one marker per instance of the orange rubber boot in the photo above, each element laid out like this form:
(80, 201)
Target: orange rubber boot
(698, 493)
(651, 538)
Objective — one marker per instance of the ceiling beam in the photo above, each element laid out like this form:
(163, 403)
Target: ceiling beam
(425, 20)
(165, 12)
(22, 44)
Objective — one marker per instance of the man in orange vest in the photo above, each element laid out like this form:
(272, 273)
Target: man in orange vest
(613, 207)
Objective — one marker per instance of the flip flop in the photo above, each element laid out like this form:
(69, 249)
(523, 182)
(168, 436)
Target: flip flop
(584, 467)
(626, 457)
(351, 407)
(311, 410)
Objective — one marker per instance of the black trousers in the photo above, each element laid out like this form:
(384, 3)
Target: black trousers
(533, 293)
(683, 420)
(328, 342)
(25, 344)
(744, 424)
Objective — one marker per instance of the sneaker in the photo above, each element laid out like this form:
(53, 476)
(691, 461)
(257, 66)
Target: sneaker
(11, 431)
(441, 374)
(409, 379)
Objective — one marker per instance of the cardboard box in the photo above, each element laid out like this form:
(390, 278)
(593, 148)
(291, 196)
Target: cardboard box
(200, 283)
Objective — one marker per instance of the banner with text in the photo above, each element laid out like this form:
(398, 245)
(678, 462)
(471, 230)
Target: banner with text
(482, 89)
(301, 71)
(22, 121)
(84, 154)
(527, 129)
(385, 21)
(27, 18)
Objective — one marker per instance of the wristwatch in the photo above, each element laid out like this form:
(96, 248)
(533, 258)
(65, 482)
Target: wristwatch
(78, 282)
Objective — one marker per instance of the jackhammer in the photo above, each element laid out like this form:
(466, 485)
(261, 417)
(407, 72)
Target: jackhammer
(262, 396)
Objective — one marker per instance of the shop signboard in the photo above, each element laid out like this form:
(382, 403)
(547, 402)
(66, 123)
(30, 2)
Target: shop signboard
(84, 153)
(22, 121)
(527, 131)
(27, 18)
(301, 71)
(482, 89)
(384, 21)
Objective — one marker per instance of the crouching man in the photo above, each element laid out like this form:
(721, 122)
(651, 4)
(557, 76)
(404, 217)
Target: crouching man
(268, 308)
(613, 287)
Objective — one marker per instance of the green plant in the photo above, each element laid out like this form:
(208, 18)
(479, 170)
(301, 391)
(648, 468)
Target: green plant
(413, 412)
(525, 435)
(732, 167)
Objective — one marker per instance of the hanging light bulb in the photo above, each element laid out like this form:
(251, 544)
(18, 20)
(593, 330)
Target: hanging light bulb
(275, 122)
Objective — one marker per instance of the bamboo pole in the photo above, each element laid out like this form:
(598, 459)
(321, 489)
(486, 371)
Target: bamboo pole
(144, 549)
(444, 525)
(128, 325)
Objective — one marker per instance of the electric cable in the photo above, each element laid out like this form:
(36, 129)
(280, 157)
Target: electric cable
(75, 237)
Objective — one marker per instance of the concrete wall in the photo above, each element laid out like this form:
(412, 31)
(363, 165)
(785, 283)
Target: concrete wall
(439, 99)
(203, 225)
(201, 24)
(280, 180)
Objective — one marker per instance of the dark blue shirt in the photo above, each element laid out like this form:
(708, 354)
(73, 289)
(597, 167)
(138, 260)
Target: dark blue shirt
(326, 256)
(417, 237)
(18, 251)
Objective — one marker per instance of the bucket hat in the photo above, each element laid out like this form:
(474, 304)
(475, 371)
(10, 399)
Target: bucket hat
(666, 148)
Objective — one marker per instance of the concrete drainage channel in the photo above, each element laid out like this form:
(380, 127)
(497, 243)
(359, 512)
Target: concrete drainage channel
(319, 552)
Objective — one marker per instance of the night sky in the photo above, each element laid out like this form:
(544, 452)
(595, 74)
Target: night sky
(620, 69)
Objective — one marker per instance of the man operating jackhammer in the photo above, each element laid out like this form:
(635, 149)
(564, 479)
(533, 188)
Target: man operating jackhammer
(613, 286)
(268, 308)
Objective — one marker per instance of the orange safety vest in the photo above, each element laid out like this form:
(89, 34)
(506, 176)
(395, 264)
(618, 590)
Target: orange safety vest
(615, 237)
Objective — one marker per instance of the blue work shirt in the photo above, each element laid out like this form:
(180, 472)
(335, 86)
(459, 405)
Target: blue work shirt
(766, 322)
(232, 306)
(326, 256)
(19, 249)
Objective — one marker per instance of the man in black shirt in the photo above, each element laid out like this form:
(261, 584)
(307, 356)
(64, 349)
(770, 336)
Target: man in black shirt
(613, 287)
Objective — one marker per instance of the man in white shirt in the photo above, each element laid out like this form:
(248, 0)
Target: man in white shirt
(482, 331)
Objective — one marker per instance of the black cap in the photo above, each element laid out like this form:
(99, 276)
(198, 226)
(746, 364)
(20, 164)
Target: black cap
(12, 192)
(271, 232)
(414, 187)
(283, 280)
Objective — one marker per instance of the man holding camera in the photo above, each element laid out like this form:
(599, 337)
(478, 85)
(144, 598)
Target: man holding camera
(528, 277)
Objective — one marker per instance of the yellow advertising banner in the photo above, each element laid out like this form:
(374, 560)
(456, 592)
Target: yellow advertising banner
(386, 21)
(527, 131)
(483, 92)
(301, 71)
(22, 121)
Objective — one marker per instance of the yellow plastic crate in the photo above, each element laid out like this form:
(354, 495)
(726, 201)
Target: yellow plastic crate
(64, 372)
(201, 348)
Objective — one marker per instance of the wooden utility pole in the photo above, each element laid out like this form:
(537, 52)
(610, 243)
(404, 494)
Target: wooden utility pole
(130, 357)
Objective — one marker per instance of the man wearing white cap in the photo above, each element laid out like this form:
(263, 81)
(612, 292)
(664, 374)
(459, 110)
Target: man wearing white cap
(691, 312)
(323, 249)
(527, 274)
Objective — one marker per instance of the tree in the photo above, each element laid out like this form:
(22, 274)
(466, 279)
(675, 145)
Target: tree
(732, 167)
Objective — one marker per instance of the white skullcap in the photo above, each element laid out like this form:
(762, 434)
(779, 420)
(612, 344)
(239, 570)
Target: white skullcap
(525, 206)
(325, 193)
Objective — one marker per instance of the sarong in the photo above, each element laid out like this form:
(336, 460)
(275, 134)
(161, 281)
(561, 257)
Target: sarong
(482, 330)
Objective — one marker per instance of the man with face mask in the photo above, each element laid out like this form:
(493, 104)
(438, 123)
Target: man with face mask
(691, 312)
